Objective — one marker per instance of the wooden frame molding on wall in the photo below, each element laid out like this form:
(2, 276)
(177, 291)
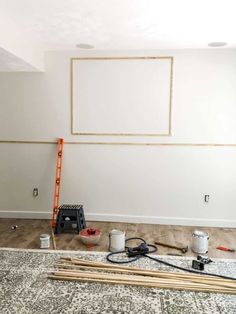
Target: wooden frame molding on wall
(121, 143)
(121, 58)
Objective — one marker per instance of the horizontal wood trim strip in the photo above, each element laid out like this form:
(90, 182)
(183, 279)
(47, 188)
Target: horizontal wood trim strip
(122, 58)
(121, 143)
(120, 134)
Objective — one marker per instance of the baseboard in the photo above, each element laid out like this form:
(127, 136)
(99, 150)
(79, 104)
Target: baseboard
(181, 221)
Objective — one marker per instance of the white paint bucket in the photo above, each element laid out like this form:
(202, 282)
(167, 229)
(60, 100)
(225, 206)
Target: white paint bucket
(200, 242)
(44, 241)
(116, 240)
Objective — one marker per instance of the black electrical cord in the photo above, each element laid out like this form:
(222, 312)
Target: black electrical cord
(108, 257)
(130, 260)
(186, 269)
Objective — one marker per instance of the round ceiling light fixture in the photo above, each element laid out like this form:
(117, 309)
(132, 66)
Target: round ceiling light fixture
(217, 44)
(84, 46)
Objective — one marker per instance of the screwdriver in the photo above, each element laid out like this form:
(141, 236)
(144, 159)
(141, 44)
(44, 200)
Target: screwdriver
(222, 248)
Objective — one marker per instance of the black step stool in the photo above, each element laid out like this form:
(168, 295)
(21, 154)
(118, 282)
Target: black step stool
(70, 218)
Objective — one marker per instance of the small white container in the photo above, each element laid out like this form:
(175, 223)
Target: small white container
(44, 241)
(200, 242)
(116, 241)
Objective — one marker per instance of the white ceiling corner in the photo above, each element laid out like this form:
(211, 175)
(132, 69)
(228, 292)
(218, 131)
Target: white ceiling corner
(10, 63)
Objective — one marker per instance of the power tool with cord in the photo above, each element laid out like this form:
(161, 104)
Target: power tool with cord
(142, 251)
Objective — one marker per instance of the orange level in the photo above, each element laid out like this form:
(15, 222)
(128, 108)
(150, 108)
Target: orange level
(57, 182)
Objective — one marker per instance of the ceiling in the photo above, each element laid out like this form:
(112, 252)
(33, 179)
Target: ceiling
(29, 28)
(9, 63)
(125, 24)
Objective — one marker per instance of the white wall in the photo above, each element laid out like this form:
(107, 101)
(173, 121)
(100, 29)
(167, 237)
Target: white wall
(153, 184)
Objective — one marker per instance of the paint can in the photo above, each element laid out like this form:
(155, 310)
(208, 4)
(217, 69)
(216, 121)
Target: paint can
(116, 240)
(44, 241)
(200, 242)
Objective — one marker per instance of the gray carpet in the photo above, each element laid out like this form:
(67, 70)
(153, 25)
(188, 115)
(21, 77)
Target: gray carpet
(25, 289)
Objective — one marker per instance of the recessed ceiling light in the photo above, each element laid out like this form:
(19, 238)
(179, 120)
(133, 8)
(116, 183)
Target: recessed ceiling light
(217, 44)
(85, 46)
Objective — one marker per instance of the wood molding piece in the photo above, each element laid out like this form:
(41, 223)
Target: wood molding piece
(54, 244)
(122, 58)
(26, 142)
(171, 58)
(121, 143)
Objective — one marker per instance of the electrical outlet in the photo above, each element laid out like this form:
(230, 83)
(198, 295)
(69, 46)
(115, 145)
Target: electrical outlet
(35, 192)
(206, 198)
